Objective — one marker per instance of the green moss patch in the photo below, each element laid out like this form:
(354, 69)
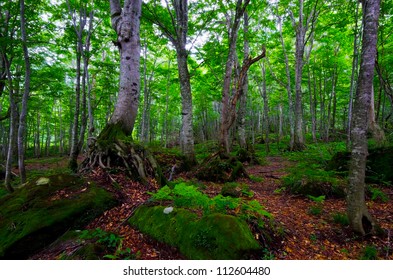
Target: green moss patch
(214, 236)
(36, 214)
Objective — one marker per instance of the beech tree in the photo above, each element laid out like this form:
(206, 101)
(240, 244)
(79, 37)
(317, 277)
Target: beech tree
(176, 31)
(359, 217)
(110, 148)
(229, 103)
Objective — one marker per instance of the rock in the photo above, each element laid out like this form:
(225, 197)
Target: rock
(42, 181)
(214, 236)
(36, 215)
(168, 210)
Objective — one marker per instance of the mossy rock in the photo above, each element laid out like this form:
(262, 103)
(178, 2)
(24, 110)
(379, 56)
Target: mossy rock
(379, 164)
(171, 161)
(246, 156)
(219, 168)
(37, 214)
(215, 236)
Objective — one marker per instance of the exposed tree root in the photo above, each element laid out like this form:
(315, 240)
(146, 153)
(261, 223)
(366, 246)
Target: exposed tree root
(138, 162)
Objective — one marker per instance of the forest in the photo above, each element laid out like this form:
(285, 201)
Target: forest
(184, 129)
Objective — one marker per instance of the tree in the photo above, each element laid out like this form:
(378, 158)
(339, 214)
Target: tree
(229, 103)
(359, 217)
(176, 31)
(241, 115)
(301, 27)
(113, 145)
(25, 97)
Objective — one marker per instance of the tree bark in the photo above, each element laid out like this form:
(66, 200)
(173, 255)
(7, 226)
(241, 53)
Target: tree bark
(360, 220)
(13, 126)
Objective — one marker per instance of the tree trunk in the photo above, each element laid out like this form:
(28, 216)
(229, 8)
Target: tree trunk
(243, 99)
(234, 28)
(126, 23)
(13, 127)
(145, 126)
(23, 113)
(73, 165)
(353, 75)
(265, 108)
(113, 148)
(288, 88)
(301, 27)
(359, 217)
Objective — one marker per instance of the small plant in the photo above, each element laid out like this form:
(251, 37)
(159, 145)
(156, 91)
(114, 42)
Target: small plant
(341, 218)
(108, 239)
(317, 207)
(280, 190)
(378, 195)
(313, 238)
(123, 254)
(370, 252)
(256, 179)
(267, 254)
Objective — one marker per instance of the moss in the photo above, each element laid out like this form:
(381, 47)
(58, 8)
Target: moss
(215, 236)
(110, 134)
(35, 215)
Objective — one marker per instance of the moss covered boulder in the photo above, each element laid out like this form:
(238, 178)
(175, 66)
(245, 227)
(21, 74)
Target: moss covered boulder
(214, 236)
(38, 213)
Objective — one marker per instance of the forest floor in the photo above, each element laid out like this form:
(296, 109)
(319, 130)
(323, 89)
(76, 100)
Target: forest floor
(306, 236)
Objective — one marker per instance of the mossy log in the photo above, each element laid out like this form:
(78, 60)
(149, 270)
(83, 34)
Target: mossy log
(38, 213)
(113, 150)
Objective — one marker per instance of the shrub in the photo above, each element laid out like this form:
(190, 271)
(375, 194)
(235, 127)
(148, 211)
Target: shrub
(188, 196)
(312, 180)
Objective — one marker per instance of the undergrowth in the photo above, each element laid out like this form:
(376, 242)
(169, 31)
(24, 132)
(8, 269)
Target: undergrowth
(188, 196)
